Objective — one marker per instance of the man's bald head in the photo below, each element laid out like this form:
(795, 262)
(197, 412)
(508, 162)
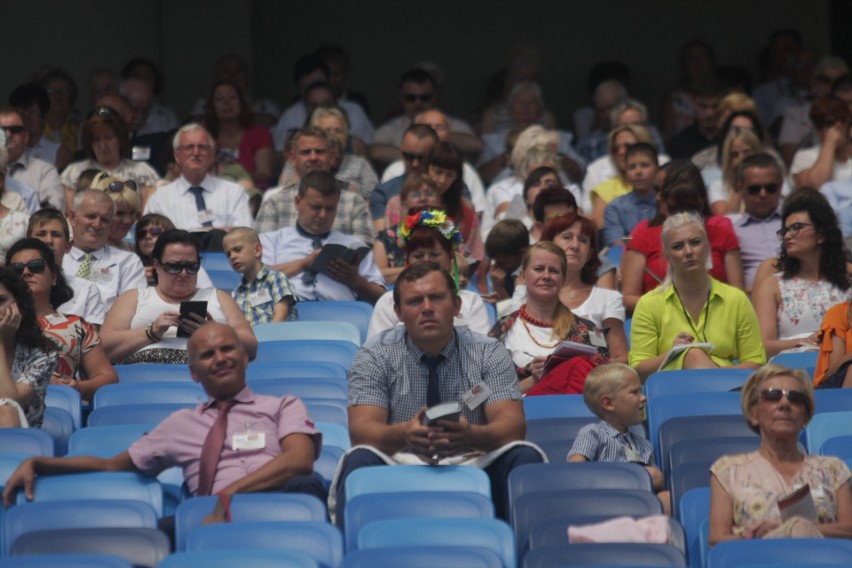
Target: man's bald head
(437, 120)
(217, 360)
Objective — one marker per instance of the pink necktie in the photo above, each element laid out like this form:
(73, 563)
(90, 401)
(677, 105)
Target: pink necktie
(212, 448)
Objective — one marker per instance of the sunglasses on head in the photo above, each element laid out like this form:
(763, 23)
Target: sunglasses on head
(774, 395)
(117, 186)
(153, 231)
(175, 268)
(424, 98)
(14, 129)
(770, 188)
(35, 266)
(104, 111)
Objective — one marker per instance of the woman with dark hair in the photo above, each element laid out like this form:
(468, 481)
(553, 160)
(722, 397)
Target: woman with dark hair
(812, 274)
(107, 143)
(577, 237)
(82, 364)
(643, 266)
(27, 359)
(146, 326)
(230, 120)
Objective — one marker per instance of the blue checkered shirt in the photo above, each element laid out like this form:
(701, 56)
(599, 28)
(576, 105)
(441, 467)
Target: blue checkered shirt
(279, 289)
(388, 372)
(599, 441)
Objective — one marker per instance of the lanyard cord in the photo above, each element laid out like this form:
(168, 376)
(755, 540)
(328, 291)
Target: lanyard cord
(706, 312)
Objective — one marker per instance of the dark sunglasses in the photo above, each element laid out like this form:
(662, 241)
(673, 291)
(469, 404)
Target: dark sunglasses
(411, 98)
(153, 231)
(14, 129)
(409, 157)
(774, 395)
(770, 188)
(792, 229)
(175, 268)
(35, 266)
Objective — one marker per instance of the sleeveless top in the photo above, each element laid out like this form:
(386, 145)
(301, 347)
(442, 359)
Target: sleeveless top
(803, 305)
(149, 305)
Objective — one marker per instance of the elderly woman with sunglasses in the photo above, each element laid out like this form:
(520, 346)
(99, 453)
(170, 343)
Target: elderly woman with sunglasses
(146, 326)
(811, 274)
(745, 489)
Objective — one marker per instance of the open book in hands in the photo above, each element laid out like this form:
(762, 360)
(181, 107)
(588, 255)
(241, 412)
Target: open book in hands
(678, 349)
(565, 351)
(354, 253)
(799, 503)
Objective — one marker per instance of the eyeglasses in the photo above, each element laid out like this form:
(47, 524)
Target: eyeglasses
(35, 266)
(175, 268)
(14, 129)
(193, 148)
(153, 231)
(409, 157)
(774, 395)
(770, 188)
(413, 98)
(116, 186)
(792, 229)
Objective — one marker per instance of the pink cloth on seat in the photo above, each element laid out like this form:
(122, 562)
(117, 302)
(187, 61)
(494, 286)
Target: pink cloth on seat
(652, 529)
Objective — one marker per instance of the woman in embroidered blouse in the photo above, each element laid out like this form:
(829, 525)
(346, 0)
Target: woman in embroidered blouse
(745, 489)
(811, 274)
(80, 351)
(532, 333)
(691, 306)
(27, 358)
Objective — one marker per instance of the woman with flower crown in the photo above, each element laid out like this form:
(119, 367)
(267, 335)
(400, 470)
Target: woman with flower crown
(533, 332)
(429, 235)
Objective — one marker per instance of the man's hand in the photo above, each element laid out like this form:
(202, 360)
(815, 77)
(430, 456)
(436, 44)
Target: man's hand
(343, 272)
(22, 477)
(418, 438)
(217, 515)
(450, 439)
(309, 260)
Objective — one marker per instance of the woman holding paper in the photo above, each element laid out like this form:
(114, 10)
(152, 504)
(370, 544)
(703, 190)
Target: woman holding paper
(777, 491)
(537, 329)
(692, 321)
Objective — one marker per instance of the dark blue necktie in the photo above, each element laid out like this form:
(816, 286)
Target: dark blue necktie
(433, 392)
(200, 205)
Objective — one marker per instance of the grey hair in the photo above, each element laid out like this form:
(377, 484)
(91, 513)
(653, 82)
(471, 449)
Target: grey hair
(530, 86)
(626, 105)
(188, 129)
(95, 195)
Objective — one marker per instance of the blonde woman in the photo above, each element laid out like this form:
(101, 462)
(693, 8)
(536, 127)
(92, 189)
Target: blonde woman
(127, 206)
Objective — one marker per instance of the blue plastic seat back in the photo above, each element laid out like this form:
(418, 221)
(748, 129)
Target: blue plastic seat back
(531, 508)
(138, 546)
(780, 552)
(608, 554)
(356, 313)
(28, 517)
(685, 381)
(803, 360)
(697, 429)
(224, 279)
(393, 479)
(99, 486)
(215, 261)
(833, 400)
(839, 446)
(28, 441)
(365, 509)
(68, 399)
(492, 534)
(9, 462)
(327, 410)
(299, 330)
(668, 406)
(556, 450)
(248, 507)
(66, 561)
(60, 426)
(561, 428)
(153, 373)
(258, 371)
(340, 352)
(319, 540)
(134, 414)
(544, 477)
(334, 435)
(693, 509)
(326, 464)
(149, 393)
(827, 425)
(423, 557)
(553, 531)
(263, 558)
(555, 406)
(315, 388)
(688, 476)
(707, 451)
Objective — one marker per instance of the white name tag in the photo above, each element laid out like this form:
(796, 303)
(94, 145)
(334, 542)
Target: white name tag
(476, 396)
(249, 441)
(140, 153)
(101, 274)
(259, 297)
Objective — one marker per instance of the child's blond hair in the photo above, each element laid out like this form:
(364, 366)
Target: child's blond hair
(604, 380)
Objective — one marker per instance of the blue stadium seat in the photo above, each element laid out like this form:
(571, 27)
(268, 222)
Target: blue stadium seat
(319, 540)
(356, 313)
(148, 393)
(685, 381)
(839, 446)
(326, 464)
(256, 558)
(68, 399)
(833, 400)
(314, 388)
(29, 517)
(299, 330)
(423, 557)
(825, 425)
(225, 280)
(609, 554)
(693, 509)
(327, 410)
(248, 507)
(614, 254)
(27, 441)
(560, 428)
(134, 414)
(70, 560)
(780, 552)
(340, 352)
(803, 360)
(699, 428)
(393, 479)
(98, 486)
(60, 426)
(492, 534)
(553, 531)
(152, 373)
(258, 371)
(555, 406)
(334, 435)
(556, 450)
(364, 509)
(215, 261)
(141, 547)
(9, 462)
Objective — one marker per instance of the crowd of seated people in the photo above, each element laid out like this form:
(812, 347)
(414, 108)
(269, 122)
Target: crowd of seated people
(500, 240)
